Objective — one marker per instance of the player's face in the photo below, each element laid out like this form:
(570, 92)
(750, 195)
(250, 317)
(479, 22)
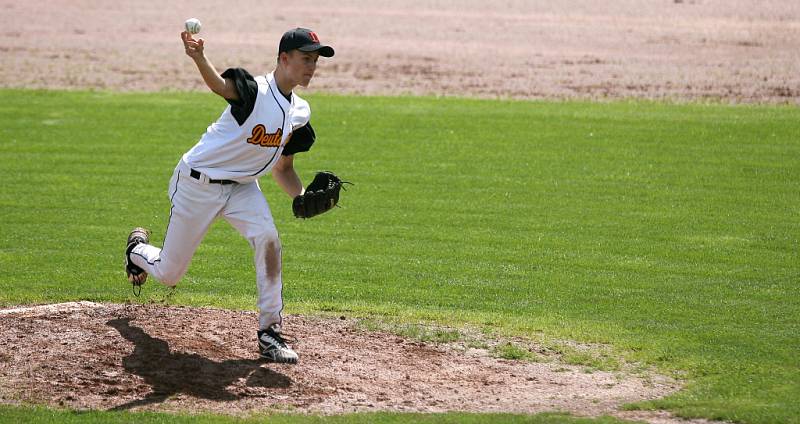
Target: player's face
(301, 66)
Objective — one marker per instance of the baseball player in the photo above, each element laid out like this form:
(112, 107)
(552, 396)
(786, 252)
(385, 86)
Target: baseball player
(264, 125)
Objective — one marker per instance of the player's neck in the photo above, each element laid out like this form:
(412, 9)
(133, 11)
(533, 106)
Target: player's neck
(284, 83)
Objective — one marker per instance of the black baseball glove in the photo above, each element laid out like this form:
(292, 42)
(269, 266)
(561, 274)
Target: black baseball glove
(320, 196)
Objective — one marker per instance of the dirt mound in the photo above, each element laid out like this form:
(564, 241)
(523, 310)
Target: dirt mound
(133, 357)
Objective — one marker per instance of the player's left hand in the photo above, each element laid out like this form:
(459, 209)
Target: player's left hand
(320, 196)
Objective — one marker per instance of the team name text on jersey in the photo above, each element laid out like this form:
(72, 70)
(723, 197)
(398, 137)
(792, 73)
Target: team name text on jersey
(260, 137)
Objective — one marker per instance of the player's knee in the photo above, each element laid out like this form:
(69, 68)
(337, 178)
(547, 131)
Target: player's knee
(170, 281)
(171, 276)
(267, 237)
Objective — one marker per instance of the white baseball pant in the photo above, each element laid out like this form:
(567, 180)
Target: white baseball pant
(196, 203)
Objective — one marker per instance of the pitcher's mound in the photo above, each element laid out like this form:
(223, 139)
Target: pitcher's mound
(105, 356)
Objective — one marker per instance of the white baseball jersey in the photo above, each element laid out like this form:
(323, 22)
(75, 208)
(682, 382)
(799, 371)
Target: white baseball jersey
(244, 151)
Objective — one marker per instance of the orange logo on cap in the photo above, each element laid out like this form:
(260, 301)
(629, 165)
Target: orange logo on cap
(313, 36)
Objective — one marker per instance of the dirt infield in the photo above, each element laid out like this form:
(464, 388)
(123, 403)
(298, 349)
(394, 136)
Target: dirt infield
(728, 50)
(134, 357)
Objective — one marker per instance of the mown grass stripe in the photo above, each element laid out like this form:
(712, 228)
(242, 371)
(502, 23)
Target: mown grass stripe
(667, 231)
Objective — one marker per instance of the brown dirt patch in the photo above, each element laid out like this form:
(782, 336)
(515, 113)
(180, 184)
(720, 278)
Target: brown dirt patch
(133, 357)
(729, 50)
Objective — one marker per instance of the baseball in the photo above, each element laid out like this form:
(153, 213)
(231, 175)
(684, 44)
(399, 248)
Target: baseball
(193, 25)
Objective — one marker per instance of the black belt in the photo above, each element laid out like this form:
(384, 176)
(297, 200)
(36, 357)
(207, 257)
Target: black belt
(196, 175)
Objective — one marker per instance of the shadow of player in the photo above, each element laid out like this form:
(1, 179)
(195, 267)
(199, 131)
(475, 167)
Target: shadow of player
(169, 373)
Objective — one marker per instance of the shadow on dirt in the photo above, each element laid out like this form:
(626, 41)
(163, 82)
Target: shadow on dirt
(170, 373)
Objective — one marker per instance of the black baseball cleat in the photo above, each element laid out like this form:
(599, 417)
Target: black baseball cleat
(136, 275)
(273, 347)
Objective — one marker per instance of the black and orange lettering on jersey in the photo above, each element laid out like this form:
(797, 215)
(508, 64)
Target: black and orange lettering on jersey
(260, 137)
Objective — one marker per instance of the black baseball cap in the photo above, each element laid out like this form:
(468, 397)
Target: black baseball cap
(304, 40)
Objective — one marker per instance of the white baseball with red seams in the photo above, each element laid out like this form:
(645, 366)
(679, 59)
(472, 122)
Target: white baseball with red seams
(193, 25)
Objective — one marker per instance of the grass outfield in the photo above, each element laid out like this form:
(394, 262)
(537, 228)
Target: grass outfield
(667, 231)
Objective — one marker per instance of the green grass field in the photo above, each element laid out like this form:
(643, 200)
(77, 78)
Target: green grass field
(669, 232)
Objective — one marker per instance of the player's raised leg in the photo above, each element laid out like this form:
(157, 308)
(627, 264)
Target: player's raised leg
(195, 205)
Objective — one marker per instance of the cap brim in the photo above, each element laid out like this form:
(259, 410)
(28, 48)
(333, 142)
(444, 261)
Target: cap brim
(326, 51)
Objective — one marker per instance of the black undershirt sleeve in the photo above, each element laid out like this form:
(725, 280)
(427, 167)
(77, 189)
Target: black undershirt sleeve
(301, 141)
(247, 88)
